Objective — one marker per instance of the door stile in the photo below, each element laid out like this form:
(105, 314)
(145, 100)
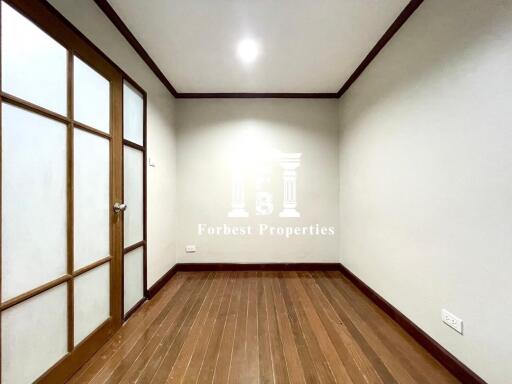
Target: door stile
(70, 205)
(116, 143)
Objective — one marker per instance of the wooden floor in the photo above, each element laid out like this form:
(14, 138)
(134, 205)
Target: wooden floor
(261, 327)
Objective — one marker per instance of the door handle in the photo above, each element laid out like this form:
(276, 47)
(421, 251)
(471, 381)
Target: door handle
(120, 207)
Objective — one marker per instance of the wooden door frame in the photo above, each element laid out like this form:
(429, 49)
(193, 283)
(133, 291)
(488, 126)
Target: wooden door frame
(52, 23)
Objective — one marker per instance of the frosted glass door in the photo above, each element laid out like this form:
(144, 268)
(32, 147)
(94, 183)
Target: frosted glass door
(61, 166)
(134, 196)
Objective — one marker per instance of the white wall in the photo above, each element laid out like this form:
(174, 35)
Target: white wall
(210, 131)
(426, 177)
(161, 210)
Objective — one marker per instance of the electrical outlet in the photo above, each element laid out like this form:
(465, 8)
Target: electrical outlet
(451, 320)
(190, 248)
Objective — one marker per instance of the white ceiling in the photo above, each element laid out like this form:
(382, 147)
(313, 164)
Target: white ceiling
(307, 45)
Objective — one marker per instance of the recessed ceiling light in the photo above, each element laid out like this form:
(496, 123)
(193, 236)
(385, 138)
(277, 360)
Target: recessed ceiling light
(248, 50)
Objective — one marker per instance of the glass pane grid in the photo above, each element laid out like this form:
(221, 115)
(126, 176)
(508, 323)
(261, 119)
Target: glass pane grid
(91, 301)
(33, 159)
(34, 65)
(91, 205)
(24, 335)
(91, 97)
(134, 278)
(133, 196)
(133, 115)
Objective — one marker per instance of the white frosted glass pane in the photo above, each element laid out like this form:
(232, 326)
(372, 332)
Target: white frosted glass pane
(91, 198)
(133, 278)
(133, 197)
(34, 66)
(33, 200)
(34, 336)
(91, 97)
(91, 300)
(133, 114)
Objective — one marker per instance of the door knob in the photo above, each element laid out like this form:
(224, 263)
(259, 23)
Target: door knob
(119, 207)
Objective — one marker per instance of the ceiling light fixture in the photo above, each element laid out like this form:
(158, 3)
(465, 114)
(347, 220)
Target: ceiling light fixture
(248, 50)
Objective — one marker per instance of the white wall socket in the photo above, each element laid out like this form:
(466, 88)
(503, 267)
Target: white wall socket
(190, 248)
(451, 320)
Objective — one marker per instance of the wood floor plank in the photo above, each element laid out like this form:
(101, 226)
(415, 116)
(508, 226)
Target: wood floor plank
(237, 368)
(395, 367)
(223, 363)
(376, 360)
(172, 343)
(212, 352)
(252, 362)
(180, 367)
(265, 354)
(324, 341)
(279, 366)
(300, 341)
(320, 367)
(291, 355)
(357, 364)
(261, 327)
(196, 361)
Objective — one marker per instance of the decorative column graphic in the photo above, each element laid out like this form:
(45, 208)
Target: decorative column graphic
(238, 194)
(258, 163)
(289, 163)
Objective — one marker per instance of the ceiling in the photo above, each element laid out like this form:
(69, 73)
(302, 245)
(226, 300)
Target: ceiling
(308, 46)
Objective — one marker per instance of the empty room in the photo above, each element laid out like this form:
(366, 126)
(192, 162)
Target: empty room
(240, 191)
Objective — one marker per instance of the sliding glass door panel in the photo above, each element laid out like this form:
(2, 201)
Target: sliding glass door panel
(91, 198)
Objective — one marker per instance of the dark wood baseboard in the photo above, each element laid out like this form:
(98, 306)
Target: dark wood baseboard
(153, 290)
(189, 267)
(456, 367)
(196, 267)
(450, 362)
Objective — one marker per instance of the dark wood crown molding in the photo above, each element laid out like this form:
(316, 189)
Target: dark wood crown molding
(248, 95)
(399, 21)
(128, 35)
